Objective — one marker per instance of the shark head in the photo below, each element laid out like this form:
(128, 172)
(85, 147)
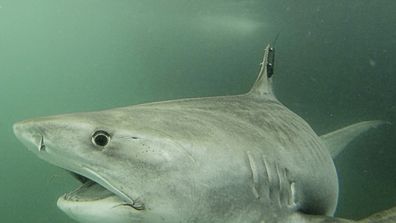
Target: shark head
(125, 166)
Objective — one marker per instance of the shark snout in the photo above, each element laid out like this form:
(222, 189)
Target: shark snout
(30, 134)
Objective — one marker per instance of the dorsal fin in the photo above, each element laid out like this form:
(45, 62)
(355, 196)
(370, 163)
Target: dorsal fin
(263, 84)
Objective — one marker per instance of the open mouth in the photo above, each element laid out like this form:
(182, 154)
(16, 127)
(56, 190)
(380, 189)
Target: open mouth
(88, 191)
(91, 190)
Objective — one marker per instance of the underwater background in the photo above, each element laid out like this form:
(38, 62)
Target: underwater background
(334, 66)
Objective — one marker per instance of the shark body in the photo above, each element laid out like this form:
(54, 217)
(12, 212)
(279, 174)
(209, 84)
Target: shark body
(243, 158)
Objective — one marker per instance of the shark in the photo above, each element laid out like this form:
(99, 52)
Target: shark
(239, 158)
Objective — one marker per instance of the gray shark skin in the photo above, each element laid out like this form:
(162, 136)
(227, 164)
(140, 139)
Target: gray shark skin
(244, 158)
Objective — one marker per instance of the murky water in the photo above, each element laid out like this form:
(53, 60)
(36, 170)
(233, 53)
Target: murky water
(335, 66)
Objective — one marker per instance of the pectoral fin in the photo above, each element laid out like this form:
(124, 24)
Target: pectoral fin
(305, 218)
(387, 216)
(336, 141)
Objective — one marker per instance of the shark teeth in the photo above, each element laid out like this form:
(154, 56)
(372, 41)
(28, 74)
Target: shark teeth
(91, 190)
(88, 191)
(137, 204)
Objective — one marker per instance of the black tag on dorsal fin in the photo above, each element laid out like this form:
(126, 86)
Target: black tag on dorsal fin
(270, 62)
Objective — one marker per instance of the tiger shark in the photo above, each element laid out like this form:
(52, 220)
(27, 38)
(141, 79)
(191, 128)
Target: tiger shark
(242, 158)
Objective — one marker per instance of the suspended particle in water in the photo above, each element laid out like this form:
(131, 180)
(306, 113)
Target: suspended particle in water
(372, 62)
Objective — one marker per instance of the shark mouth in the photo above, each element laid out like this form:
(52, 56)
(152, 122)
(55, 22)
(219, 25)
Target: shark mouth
(88, 191)
(91, 190)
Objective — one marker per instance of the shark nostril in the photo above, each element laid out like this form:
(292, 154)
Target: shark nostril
(32, 134)
(41, 145)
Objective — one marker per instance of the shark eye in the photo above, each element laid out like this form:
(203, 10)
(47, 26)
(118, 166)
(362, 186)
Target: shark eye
(101, 138)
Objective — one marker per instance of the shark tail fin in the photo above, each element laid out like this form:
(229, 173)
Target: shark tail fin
(387, 216)
(336, 141)
(263, 84)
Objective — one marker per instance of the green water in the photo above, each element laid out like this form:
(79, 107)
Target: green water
(335, 66)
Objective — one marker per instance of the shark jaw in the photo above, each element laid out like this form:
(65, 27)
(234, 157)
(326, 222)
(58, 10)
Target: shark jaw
(91, 202)
(96, 200)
